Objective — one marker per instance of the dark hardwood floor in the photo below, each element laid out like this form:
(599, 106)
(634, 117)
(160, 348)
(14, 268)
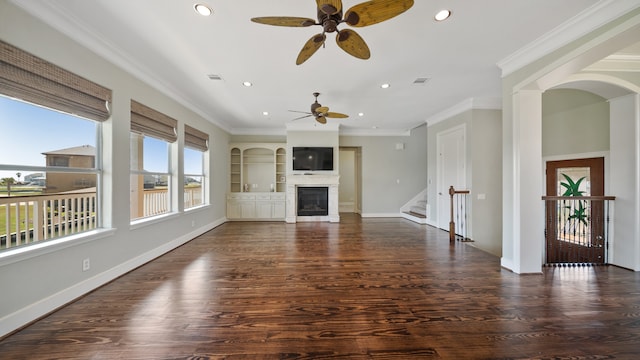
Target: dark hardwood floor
(360, 289)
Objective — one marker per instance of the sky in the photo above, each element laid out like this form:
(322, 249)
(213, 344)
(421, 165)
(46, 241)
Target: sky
(27, 131)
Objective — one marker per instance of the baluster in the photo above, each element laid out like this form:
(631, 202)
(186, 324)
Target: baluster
(72, 217)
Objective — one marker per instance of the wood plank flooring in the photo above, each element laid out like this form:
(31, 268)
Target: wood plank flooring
(360, 289)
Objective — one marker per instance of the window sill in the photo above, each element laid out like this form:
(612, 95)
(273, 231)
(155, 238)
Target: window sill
(144, 222)
(197, 208)
(49, 246)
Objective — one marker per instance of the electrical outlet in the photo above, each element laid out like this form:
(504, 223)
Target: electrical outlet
(86, 264)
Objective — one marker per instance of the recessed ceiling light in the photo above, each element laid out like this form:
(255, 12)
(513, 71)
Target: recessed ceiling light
(202, 9)
(247, 84)
(442, 15)
(361, 114)
(265, 113)
(385, 86)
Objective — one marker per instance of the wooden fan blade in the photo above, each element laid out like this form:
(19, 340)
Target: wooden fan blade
(301, 112)
(284, 21)
(375, 11)
(321, 119)
(353, 44)
(336, 115)
(310, 48)
(322, 110)
(330, 7)
(302, 117)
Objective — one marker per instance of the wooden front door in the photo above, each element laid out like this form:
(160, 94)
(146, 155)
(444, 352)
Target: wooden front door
(575, 228)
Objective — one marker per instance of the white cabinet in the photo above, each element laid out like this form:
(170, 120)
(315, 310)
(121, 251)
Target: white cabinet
(256, 206)
(263, 206)
(241, 206)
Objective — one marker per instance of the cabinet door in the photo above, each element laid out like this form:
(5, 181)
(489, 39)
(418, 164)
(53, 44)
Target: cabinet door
(278, 210)
(233, 209)
(263, 209)
(248, 209)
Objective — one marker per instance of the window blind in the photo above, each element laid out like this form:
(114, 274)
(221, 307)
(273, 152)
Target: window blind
(32, 79)
(195, 139)
(153, 123)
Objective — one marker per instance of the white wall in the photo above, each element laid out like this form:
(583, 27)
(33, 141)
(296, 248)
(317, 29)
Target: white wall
(574, 122)
(625, 249)
(34, 285)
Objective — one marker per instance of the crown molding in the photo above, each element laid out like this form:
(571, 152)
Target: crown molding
(374, 132)
(79, 32)
(466, 105)
(585, 22)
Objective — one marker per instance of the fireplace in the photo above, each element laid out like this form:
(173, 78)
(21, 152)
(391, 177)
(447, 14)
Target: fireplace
(313, 201)
(310, 207)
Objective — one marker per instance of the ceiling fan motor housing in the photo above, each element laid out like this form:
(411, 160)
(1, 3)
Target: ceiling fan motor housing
(329, 22)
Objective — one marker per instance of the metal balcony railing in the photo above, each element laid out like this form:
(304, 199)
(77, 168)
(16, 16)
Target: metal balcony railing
(577, 229)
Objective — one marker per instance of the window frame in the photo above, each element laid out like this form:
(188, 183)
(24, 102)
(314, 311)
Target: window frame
(33, 243)
(31, 79)
(202, 176)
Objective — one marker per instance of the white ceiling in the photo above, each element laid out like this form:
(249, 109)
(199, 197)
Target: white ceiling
(168, 45)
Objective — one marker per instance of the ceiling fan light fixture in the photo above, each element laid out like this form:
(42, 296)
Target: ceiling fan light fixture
(202, 9)
(442, 15)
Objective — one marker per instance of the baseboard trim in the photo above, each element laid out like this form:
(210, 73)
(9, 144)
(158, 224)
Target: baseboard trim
(381, 215)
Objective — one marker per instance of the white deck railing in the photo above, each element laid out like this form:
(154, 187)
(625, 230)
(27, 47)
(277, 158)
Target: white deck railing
(30, 219)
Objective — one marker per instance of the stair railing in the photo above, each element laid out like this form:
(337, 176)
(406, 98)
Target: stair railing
(458, 211)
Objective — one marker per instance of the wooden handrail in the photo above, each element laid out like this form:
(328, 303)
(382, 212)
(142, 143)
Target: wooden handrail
(597, 198)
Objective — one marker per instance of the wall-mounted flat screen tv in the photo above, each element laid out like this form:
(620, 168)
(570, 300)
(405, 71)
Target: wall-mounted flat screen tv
(312, 158)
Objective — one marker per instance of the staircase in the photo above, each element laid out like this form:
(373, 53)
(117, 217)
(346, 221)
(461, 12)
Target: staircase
(416, 209)
(419, 209)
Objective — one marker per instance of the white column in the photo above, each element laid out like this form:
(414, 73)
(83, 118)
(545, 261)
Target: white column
(526, 208)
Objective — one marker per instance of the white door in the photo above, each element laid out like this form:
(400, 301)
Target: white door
(451, 169)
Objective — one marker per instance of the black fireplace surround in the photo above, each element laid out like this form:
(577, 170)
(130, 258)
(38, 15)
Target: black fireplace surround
(313, 201)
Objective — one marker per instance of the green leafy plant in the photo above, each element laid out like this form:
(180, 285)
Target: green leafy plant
(578, 210)
(572, 188)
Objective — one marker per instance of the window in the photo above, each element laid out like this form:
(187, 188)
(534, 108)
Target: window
(47, 152)
(151, 136)
(196, 144)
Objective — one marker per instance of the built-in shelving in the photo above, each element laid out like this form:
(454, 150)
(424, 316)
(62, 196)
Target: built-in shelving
(257, 181)
(257, 167)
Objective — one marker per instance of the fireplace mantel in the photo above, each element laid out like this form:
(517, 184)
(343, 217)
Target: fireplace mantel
(319, 180)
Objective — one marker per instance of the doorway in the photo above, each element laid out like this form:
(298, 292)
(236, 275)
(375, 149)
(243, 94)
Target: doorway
(349, 189)
(451, 169)
(575, 227)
